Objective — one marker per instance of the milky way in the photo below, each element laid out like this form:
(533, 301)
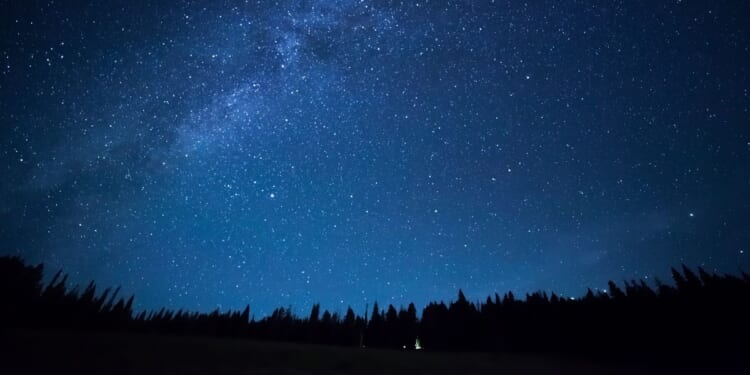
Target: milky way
(207, 154)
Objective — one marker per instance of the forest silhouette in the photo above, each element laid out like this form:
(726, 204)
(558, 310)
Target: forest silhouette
(701, 318)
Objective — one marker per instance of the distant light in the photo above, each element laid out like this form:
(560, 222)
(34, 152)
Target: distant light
(272, 195)
(691, 214)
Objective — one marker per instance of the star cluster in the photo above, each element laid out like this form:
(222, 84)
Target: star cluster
(209, 154)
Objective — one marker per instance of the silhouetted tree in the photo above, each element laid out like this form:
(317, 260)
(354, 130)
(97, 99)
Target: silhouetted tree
(315, 313)
(703, 317)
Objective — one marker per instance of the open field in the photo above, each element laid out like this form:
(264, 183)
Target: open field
(56, 353)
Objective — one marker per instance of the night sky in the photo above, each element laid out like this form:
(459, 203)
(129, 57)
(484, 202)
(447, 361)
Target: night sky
(206, 154)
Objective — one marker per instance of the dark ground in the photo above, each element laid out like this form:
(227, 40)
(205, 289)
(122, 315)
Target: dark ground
(82, 353)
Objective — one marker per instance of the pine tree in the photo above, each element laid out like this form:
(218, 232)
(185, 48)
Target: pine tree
(315, 313)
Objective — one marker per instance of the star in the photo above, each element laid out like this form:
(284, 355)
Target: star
(375, 139)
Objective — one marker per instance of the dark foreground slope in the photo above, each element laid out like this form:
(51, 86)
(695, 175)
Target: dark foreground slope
(48, 352)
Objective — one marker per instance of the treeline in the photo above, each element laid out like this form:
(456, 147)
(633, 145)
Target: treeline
(703, 314)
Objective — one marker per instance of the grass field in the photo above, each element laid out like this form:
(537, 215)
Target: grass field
(76, 353)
